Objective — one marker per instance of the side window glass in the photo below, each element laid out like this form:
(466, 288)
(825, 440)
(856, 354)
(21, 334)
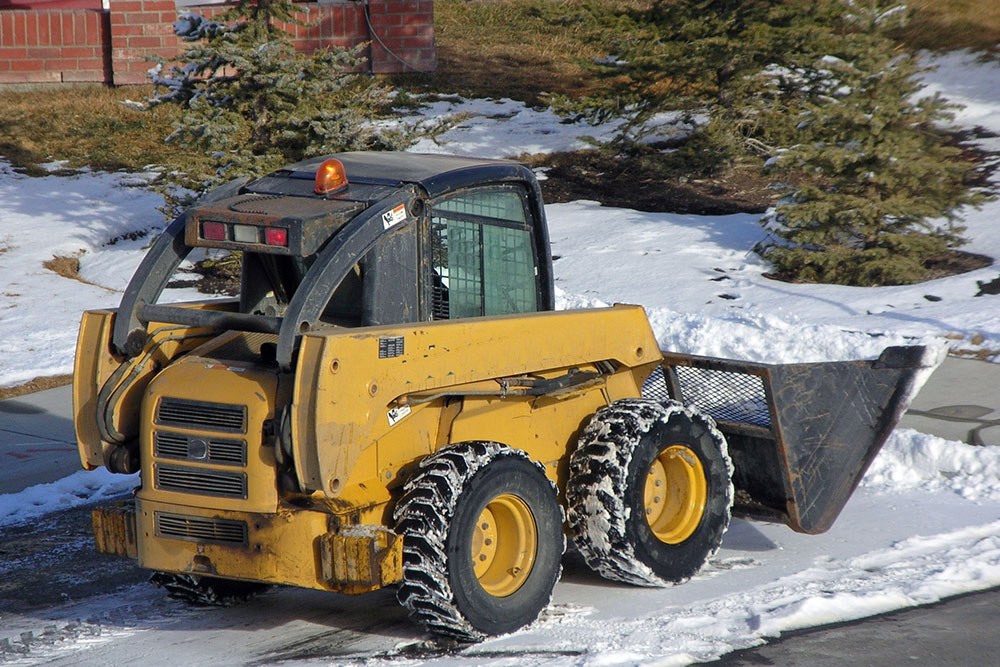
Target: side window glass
(482, 259)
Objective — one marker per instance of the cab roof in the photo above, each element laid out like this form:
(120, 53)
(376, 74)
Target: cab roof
(436, 174)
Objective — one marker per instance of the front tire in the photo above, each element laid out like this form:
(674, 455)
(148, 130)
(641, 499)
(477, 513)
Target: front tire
(650, 494)
(482, 541)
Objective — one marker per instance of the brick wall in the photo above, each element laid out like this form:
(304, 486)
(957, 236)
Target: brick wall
(114, 46)
(53, 46)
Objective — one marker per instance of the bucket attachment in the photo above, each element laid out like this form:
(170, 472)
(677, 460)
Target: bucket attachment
(801, 436)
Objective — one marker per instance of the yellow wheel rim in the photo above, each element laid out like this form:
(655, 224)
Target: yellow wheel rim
(504, 545)
(675, 494)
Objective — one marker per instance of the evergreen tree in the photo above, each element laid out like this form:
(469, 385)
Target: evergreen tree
(251, 103)
(879, 184)
(816, 89)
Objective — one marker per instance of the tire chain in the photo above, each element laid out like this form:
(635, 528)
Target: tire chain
(603, 455)
(422, 517)
(191, 590)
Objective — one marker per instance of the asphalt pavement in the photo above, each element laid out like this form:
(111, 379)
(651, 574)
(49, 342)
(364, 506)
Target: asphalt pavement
(961, 401)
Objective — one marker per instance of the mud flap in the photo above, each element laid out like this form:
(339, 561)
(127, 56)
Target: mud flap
(801, 436)
(114, 531)
(359, 559)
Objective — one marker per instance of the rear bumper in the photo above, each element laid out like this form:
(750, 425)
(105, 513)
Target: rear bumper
(291, 547)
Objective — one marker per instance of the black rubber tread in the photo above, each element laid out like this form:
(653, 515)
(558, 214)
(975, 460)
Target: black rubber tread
(604, 491)
(207, 591)
(424, 517)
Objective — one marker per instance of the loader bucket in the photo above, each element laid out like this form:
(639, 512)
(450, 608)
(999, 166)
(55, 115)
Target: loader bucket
(801, 436)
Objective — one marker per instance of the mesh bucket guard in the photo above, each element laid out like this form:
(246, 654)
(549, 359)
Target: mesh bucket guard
(801, 436)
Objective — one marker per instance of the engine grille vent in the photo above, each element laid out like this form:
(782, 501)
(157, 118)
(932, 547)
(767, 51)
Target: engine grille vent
(199, 529)
(203, 450)
(202, 482)
(196, 414)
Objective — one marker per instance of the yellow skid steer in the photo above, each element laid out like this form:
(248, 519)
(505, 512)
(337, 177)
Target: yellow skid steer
(391, 400)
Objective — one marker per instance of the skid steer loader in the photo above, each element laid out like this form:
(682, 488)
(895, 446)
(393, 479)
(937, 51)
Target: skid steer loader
(392, 401)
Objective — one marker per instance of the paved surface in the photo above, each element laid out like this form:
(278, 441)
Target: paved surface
(37, 443)
(961, 401)
(960, 631)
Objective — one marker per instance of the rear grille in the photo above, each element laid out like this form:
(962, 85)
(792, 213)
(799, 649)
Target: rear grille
(202, 482)
(196, 414)
(199, 529)
(203, 450)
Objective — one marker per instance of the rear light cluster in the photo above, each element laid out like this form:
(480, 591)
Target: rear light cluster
(222, 231)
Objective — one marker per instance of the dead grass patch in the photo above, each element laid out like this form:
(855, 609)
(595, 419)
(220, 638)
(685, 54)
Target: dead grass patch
(945, 25)
(37, 384)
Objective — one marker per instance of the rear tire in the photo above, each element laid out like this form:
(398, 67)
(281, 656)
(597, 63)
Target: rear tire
(650, 492)
(207, 591)
(482, 541)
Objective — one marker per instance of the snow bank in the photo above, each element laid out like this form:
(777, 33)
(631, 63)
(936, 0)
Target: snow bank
(80, 488)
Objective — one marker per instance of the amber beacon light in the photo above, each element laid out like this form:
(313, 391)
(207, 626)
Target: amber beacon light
(330, 177)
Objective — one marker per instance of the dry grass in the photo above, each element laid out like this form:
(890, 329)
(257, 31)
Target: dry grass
(511, 48)
(86, 125)
(943, 25)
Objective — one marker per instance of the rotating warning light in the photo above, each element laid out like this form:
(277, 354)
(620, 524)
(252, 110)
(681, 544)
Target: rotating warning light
(330, 177)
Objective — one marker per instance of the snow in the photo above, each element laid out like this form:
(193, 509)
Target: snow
(923, 525)
(80, 488)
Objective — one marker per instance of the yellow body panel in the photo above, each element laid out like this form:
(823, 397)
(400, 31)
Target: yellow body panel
(353, 387)
(95, 365)
(366, 406)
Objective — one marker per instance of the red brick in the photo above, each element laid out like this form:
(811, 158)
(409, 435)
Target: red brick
(128, 78)
(399, 31)
(25, 65)
(13, 53)
(159, 6)
(13, 77)
(379, 20)
(80, 29)
(124, 53)
(30, 28)
(117, 19)
(44, 77)
(79, 52)
(55, 28)
(168, 19)
(61, 64)
(6, 29)
(44, 52)
(44, 36)
(129, 30)
(142, 18)
(69, 34)
(145, 42)
(84, 75)
(165, 29)
(90, 63)
(414, 43)
(121, 6)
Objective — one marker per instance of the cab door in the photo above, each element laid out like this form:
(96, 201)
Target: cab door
(480, 255)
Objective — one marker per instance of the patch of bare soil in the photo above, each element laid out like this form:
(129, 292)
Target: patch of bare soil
(628, 184)
(69, 267)
(38, 384)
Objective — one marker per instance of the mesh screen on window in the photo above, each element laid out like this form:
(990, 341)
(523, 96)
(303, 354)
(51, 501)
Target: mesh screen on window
(479, 267)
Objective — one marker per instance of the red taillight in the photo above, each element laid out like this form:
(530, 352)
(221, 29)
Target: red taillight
(276, 236)
(213, 231)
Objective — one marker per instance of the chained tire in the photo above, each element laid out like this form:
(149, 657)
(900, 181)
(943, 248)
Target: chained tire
(482, 541)
(650, 492)
(207, 591)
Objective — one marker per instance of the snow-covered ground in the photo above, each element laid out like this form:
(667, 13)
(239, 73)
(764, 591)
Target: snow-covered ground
(924, 524)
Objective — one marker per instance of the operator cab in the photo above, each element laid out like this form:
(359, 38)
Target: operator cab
(360, 239)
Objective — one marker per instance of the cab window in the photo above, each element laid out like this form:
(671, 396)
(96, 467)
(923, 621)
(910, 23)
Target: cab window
(482, 258)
